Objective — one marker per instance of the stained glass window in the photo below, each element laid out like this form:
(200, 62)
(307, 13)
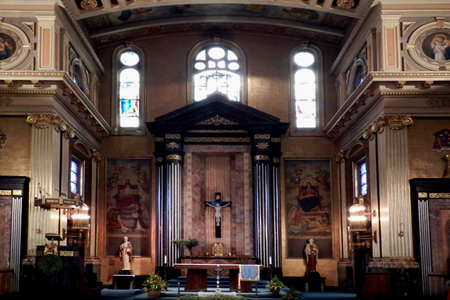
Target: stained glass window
(363, 179)
(129, 90)
(74, 177)
(305, 90)
(217, 69)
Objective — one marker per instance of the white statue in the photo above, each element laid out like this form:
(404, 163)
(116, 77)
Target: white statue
(125, 252)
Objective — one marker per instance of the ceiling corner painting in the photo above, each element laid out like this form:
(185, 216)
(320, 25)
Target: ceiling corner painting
(308, 206)
(128, 205)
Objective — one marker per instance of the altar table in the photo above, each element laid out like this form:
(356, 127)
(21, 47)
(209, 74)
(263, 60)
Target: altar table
(196, 278)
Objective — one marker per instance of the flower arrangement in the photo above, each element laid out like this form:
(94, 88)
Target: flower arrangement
(275, 284)
(154, 282)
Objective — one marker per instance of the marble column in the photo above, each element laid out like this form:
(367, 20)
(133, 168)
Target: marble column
(169, 162)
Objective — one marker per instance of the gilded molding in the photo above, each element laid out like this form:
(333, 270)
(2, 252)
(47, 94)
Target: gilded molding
(217, 131)
(345, 4)
(262, 136)
(262, 145)
(217, 139)
(393, 122)
(43, 121)
(217, 120)
(88, 4)
(5, 192)
(96, 155)
(276, 140)
(174, 157)
(340, 156)
(262, 157)
(173, 145)
(173, 136)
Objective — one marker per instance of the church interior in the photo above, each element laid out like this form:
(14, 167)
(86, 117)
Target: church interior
(138, 135)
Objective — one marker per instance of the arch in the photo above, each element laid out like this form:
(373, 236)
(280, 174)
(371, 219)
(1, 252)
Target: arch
(230, 66)
(128, 107)
(306, 109)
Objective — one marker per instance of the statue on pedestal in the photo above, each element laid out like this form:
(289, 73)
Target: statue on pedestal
(125, 253)
(311, 252)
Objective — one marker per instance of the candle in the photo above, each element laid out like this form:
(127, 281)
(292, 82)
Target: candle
(270, 260)
(165, 259)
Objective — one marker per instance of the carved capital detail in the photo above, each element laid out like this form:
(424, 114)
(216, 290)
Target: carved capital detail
(393, 122)
(43, 121)
(398, 122)
(96, 155)
(340, 156)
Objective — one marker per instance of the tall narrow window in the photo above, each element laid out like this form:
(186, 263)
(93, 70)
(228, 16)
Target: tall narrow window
(305, 90)
(306, 108)
(75, 176)
(362, 178)
(216, 68)
(129, 91)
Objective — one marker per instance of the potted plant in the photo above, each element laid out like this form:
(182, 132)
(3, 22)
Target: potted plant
(153, 285)
(189, 244)
(275, 284)
(291, 294)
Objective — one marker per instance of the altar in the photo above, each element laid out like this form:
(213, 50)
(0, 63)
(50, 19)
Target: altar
(196, 277)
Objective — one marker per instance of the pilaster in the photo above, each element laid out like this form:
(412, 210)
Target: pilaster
(48, 141)
(390, 43)
(394, 205)
(48, 45)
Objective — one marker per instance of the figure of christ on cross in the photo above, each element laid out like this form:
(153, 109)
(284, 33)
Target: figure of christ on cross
(218, 204)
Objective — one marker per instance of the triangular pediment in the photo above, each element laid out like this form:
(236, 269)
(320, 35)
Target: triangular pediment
(216, 119)
(213, 106)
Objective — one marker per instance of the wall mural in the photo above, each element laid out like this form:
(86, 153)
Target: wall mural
(308, 206)
(128, 205)
(7, 46)
(430, 47)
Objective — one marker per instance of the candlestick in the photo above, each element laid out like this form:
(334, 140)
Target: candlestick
(165, 259)
(270, 260)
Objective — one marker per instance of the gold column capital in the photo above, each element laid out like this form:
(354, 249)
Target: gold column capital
(43, 121)
(392, 122)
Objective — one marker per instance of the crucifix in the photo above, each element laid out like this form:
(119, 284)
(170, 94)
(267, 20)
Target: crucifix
(218, 204)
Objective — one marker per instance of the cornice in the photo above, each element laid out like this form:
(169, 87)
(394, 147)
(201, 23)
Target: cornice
(62, 88)
(378, 85)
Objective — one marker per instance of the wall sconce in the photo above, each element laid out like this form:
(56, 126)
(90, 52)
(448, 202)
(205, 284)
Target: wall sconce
(80, 218)
(358, 216)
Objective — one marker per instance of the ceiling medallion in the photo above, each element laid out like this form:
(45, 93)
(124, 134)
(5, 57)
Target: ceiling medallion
(88, 4)
(345, 4)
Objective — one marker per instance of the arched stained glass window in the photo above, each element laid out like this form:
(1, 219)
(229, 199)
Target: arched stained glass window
(305, 99)
(305, 90)
(129, 90)
(217, 68)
